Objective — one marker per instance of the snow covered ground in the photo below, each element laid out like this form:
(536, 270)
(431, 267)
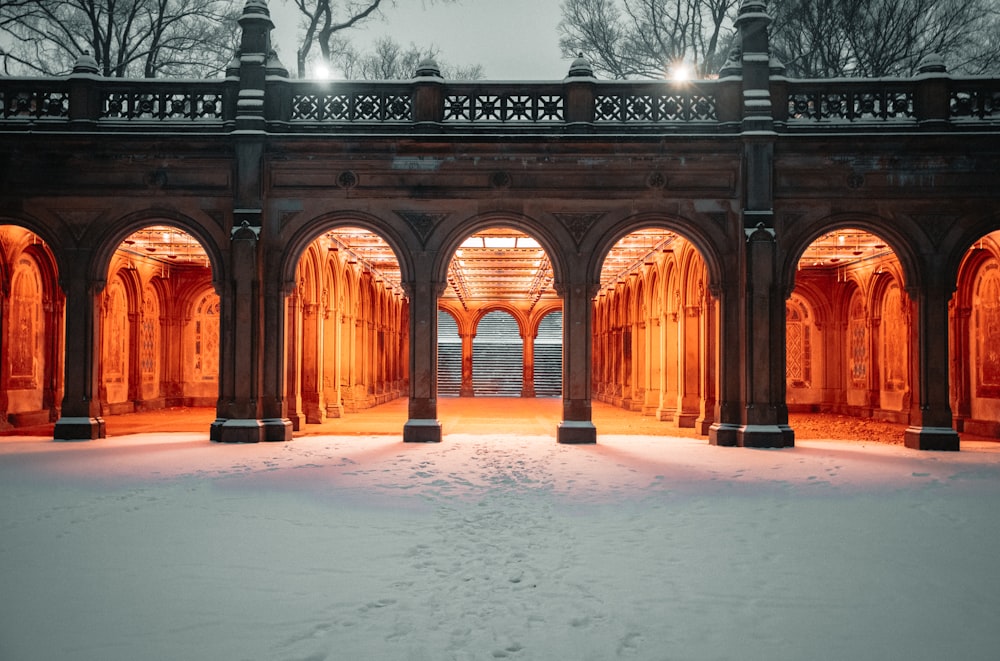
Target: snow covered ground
(151, 547)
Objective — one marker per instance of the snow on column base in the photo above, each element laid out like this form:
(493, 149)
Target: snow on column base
(237, 430)
(576, 432)
(943, 439)
(277, 429)
(723, 434)
(78, 429)
(765, 436)
(422, 431)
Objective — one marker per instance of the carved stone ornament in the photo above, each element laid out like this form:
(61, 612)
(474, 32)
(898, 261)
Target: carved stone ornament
(500, 180)
(347, 179)
(656, 180)
(577, 224)
(855, 180)
(422, 223)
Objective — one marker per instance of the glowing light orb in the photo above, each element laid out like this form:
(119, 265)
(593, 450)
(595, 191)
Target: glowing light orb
(680, 72)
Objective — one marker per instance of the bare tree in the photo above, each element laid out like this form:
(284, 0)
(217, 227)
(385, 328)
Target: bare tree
(643, 38)
(134, 38)
(872, 38)
(813, 38)
(390, 60)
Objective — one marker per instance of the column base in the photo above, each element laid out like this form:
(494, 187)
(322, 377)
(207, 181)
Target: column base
(686, 420)
(277, 429)
(765, 436)
(943, 439)
(422, 431)
(78, 429)
(723, 434)
(237, 430)
(576, 432)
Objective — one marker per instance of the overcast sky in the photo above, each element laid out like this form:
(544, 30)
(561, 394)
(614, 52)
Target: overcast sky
(511, 39)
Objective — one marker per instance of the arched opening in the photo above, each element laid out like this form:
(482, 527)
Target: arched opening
(974, 335)
(31, 331)
(548, 355)
(159, 325)
(848, 326)
(449, 363)
(346, 327)
(499, 290)
(655, 330)
(497, 356)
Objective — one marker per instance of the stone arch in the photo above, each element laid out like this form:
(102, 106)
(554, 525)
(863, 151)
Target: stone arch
(797, 238)
(549, 240)
(300, 235)
(705, 242)
(107, 241)
(966, 237)
(523, 325)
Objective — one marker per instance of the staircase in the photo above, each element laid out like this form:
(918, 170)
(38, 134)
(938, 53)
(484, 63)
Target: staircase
(497, 357)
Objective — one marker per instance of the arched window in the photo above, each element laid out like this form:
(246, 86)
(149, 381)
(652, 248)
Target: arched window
(115, 325)
(798, 343)
(895, 339)
(26, 324)
(206, 338)
(858, 342)
(149, 335)
(986, 310)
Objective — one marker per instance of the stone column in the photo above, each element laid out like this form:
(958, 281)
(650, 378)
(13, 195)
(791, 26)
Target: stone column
(423, 425)
(4, 354)
(466, 389)
(930, 416)
(275, 422)
(293, 362)
(654, 366)
(689, 368)
(708, 376)
(312, 356)
(528, 365)
(81, 413)
(577, 425)
(240, 344)
(729, 405)
(669, 369)
(960, 373)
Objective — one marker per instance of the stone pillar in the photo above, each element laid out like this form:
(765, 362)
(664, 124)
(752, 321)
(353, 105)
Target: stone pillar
(960, 376)
(654, 367)
(312, 355)
(689, 370)
(332, 367)
(729, 402)
(293, 361)
(668, 374)
(275, 422)
(765, 416)
(528, 365)
(423, 425)
(240, 339)
(81, 412)
(930, 414)
(709, 334)
(577, 425)
(4, 354)
(466, 389)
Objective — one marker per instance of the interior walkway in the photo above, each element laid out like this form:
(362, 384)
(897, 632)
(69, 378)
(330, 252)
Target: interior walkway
(488, 415)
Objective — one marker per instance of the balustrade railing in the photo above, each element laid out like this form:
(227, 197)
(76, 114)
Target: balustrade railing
(91, 102)
(845, 100)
